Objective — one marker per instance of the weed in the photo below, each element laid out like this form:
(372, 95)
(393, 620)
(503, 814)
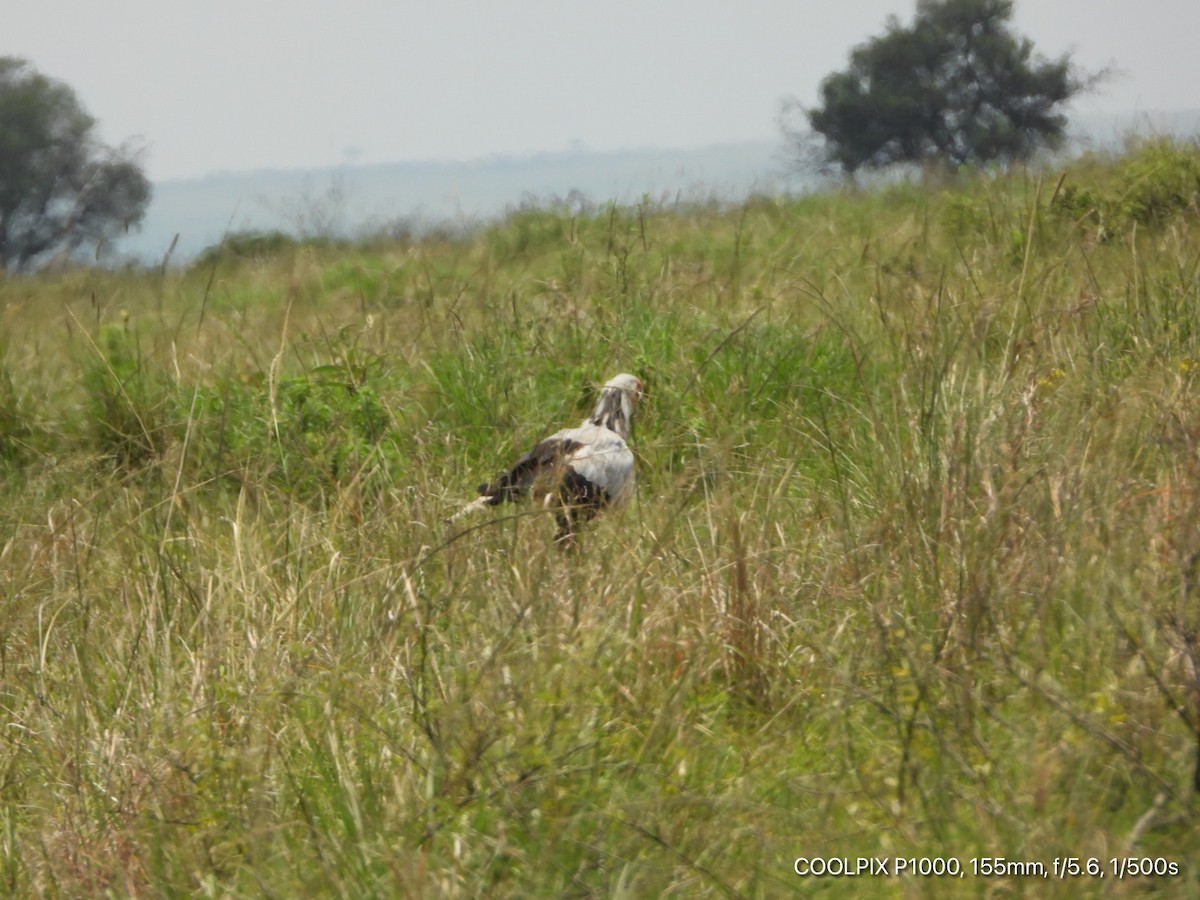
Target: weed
(125, 399)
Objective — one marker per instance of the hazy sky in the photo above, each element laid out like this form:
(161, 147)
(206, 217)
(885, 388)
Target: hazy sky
(247, 84)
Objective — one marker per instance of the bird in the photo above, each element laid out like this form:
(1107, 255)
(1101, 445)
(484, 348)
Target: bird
(576, 471)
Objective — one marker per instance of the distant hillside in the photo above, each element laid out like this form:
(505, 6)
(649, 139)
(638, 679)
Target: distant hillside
(350, 200)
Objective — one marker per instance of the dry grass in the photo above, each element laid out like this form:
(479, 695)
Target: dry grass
(910, 571)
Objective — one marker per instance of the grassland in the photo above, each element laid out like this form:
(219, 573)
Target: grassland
(911, 572)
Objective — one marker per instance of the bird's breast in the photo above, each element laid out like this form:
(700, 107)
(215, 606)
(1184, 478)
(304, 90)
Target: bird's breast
(608, 465)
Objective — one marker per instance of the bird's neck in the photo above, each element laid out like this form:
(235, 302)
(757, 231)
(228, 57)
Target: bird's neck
(613, 413)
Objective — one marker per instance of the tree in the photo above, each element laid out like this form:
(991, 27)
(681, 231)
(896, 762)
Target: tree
(60, 188)
(955, 87)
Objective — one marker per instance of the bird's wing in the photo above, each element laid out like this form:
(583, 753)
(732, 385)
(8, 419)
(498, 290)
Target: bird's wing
(549, 455)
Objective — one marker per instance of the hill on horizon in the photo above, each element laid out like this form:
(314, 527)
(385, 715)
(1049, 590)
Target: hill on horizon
(351, 200)
(417, 197)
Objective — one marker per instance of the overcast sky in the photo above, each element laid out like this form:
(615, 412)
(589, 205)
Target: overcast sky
(233, 85)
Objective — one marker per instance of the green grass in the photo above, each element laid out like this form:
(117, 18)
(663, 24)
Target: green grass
(911, 571)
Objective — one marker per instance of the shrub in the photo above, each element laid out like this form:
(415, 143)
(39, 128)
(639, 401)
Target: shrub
(1150, 187)
(247, 245)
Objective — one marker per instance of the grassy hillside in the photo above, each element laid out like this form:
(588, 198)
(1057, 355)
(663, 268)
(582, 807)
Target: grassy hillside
(912, 569)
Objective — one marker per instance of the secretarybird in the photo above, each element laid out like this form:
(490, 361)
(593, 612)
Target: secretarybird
(576, 471)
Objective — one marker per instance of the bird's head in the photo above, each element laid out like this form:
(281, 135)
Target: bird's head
(629, 385)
